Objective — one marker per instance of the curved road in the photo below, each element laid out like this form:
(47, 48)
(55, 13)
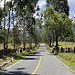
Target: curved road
(39, 63)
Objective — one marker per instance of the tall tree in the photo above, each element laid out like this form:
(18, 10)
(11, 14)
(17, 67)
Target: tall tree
(13, 20)
(4, 22)
(16, 35)
(59, 6)
(58, 23)
(25, 13)
(9, 6)
(1, 15)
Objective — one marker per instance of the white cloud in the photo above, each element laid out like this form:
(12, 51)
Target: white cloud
(2, 3)
(41, 3)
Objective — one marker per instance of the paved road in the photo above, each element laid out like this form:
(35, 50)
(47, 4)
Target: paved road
(39, 63)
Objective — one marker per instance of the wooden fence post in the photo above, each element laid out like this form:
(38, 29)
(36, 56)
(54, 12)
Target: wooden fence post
(74, 49)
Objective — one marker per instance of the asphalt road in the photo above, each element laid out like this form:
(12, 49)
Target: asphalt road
(39, 63)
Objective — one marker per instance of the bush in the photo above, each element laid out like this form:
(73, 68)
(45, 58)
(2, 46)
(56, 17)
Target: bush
(0, 68)
(71, 38)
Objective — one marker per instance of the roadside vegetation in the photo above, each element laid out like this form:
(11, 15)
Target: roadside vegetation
(67, 58)
(21, 31)
(58, 34)
(15, 56)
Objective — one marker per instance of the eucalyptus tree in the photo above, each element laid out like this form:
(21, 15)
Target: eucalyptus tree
(60, 24)
(67, 25)
(50, 31)
(1, 15)
(4, 22)
(17, 31)
(59, 6)
(25, 10)
(36, 31)
(8, 7)
(49, 22)
(13, 18)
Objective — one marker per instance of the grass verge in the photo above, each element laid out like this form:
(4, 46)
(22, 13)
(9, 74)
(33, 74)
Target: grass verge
(16, 57)
(67, 58)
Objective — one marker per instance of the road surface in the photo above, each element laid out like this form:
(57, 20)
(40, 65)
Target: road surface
(39, 63)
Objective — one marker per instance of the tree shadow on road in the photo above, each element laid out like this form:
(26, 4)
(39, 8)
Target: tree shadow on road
(16, 73)
(34, 55)
(31, 59)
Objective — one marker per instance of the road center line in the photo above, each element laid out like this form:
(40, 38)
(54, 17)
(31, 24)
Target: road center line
(37, 65)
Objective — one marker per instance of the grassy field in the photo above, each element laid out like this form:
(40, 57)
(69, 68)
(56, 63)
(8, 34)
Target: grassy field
(16, 56)
(10, 46)
(67, 58)
(66, 44)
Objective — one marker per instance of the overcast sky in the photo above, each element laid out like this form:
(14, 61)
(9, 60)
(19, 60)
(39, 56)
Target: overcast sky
(42, 4)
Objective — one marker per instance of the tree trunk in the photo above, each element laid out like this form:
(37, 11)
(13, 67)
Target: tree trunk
(4, 23)
(13, 26)
(24, 41)
(8, 31)
(57, 42)
(30, 42)
(50, 43)
(24, 45)
(36, 44)
(53, 38)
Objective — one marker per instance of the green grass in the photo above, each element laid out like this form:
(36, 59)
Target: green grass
(68, 59)
(67, 44)
(10, 46)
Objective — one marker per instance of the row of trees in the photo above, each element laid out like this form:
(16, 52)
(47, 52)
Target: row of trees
(58, 26)
(19, 15)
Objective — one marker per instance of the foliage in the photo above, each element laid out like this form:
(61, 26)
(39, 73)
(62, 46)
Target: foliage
(1, 39)
(16, 35)
(71, 38)
(60, 24)
(59, 6)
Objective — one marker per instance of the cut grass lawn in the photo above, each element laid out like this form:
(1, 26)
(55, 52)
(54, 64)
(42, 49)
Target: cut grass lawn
(67, 58)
